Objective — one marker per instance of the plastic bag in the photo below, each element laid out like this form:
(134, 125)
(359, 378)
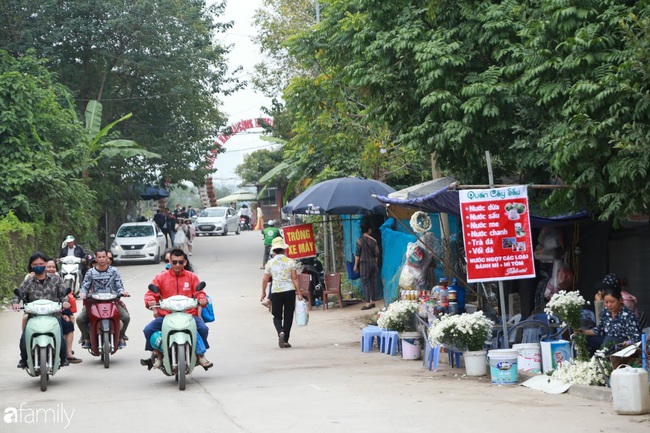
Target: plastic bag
(302, 314)
(207, 312)
(352, 274)
(200, 345)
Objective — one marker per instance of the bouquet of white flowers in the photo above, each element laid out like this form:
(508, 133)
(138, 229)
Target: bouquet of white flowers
(466, 332)
(399, 316)
(581, 372)
(567, 306)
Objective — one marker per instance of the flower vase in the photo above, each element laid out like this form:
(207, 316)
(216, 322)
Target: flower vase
(475, 363)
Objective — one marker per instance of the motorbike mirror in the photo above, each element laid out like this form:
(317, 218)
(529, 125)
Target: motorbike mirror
(67, 291)
(200, 286)
(18, 293)
(154, 288)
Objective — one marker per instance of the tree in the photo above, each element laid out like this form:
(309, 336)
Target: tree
(157, 59)
(38, 149)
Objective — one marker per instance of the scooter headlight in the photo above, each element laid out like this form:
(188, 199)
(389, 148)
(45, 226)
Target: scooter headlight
(103, 296)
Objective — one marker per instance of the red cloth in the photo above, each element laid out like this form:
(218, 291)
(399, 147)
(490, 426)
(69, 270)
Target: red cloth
(171, 284)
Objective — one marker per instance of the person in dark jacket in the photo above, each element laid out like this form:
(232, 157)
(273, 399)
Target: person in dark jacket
(70, 248)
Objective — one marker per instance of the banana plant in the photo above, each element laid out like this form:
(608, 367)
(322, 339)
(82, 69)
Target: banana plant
(96, 149)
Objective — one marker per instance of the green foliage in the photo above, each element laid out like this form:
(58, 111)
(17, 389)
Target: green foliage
(157, 59)
(555, 90)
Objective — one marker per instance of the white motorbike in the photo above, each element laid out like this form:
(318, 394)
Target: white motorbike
(71, 273)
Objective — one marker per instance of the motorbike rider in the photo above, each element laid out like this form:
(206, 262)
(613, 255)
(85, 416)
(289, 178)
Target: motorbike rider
(175, 281)
(103, 278)
(70, 248)
(41, 285)
(245, 212)
(269, 233)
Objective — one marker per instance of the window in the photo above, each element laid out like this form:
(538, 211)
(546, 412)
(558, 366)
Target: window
(270, 197)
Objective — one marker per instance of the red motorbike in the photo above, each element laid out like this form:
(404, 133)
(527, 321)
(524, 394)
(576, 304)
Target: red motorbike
(104, 324)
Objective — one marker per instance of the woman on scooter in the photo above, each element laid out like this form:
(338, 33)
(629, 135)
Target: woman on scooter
(67, 316)
(40, 286)
(175, 281)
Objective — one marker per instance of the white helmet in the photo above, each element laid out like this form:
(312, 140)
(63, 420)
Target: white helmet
(271, 223)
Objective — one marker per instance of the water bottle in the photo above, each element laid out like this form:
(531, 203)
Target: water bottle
(443, 299)
(460, 295)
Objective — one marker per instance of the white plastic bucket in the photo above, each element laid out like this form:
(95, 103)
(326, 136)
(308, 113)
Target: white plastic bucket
(503, 366)
(475, 363)
(554, 352)
(529, 357)
(630, 390)
(411, 348)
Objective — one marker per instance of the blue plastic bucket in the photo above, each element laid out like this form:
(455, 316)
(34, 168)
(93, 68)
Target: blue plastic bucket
(503, 366)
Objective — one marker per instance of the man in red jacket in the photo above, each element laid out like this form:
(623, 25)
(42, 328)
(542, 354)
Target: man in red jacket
(175, 281)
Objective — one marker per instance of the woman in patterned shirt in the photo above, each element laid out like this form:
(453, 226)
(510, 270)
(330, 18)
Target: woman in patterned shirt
(617, 323)
(283, 291)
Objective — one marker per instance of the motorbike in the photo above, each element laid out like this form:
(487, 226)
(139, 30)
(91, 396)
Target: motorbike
(42, 338)
(71, 273)
(245, 224)
(104, 325)
(313, 267)
(179, 337)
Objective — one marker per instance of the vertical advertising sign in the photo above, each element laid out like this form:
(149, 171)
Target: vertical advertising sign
(300, 239)
(496, 232)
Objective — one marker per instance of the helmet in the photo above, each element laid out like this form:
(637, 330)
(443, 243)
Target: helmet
(271, 223)
(156, 340)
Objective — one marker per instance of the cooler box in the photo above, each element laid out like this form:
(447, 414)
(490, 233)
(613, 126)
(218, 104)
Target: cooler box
(555, 352)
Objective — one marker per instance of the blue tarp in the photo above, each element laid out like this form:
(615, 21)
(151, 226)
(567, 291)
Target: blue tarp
(447, 201)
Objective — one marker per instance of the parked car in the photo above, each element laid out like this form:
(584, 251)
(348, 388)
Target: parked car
(141, 241)
(217, 221)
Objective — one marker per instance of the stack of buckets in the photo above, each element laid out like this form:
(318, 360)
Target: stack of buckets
(506, 363)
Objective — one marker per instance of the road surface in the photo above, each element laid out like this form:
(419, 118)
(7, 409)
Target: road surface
(324, 383)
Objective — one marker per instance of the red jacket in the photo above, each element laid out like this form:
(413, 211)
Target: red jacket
(171, 284)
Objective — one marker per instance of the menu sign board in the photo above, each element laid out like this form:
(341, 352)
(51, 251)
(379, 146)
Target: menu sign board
(300, 239)
(496, 232)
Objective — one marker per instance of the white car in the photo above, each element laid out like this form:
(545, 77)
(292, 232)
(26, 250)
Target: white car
(217, 221)
(141, 241)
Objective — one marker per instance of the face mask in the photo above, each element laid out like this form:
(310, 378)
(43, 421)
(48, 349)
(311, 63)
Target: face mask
(168, 266)
(38, 270)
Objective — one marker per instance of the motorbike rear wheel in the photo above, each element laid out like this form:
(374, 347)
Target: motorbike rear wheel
(182, 366)
(42, 358)
(106, 348)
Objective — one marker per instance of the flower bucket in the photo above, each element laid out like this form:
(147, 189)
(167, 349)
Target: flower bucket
(475, 363)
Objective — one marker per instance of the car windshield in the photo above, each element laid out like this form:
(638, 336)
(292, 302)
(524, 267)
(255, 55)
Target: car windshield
(135, 231)
(213, 212)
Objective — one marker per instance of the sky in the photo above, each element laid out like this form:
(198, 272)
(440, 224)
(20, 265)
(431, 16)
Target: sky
(246, 103)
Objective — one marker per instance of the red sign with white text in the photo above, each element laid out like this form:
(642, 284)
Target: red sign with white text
(300, 239)
(496, 232)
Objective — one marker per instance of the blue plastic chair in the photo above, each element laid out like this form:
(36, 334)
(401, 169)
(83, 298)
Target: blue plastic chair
(368, 336)
(389, 342)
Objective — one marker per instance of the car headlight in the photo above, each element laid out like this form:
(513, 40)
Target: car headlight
(116, 246)
(151, 244)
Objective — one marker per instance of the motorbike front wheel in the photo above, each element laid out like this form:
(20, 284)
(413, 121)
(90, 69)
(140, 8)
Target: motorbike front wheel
(106, 356)
(42, 358)
(182, 366)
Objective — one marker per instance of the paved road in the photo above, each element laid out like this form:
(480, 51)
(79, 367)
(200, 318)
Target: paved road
(322, 384)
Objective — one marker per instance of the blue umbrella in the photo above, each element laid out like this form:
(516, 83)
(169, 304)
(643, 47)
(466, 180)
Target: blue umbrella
(153, 193)
(342, 196)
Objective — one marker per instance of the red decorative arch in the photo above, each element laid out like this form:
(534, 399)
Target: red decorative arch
(228, 132)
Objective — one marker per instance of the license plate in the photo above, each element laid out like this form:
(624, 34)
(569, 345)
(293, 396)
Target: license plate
(132, 253)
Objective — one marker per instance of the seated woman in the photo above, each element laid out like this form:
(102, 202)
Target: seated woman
(617, 323)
